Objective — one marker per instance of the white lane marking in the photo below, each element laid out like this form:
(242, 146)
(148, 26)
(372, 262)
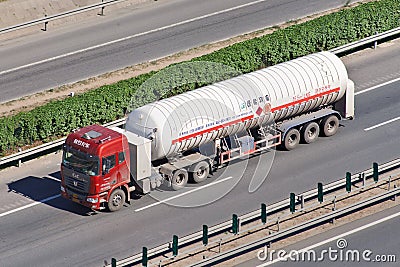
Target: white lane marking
(29, 205)
(377, 86)
(336, 237)
(381, 124)
(53, 178)
(183, 194)
(131, 36)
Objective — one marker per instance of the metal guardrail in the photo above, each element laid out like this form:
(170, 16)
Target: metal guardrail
(254, 215)
(368, 40)
(17, 157)
(20, 155)
(298, 228)
(46, 19)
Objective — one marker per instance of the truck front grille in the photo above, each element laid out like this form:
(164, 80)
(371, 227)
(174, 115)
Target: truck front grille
(77, 185)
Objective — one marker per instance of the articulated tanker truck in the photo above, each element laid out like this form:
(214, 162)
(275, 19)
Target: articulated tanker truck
(185, 137)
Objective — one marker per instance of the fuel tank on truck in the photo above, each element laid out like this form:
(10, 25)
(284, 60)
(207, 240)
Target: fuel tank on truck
(188, 120)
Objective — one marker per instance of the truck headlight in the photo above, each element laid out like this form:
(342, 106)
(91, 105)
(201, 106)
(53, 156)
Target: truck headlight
(92, 200)
(62, 189)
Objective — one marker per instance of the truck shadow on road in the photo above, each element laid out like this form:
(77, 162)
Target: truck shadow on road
(46, 190)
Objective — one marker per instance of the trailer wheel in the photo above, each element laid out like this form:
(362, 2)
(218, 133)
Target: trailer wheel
(292, 139)
(200, 173)
(116, 200)
(330, 125)
(310, 132)
(179, 179)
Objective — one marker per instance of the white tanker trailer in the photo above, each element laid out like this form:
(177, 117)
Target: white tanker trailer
(187, 135)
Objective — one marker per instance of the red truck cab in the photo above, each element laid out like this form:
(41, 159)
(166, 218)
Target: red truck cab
(94, 168)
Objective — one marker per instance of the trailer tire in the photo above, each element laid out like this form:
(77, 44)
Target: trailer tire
(200, 172)
(330, 125)
(179, 179)
(292, 139)
(116, 200)
(310, 132)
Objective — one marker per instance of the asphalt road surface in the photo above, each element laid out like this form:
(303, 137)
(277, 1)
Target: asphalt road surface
(38, 228)
(61, 56)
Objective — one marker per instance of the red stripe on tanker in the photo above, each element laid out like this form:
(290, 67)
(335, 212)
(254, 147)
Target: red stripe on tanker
(258, 112)
(188, 120)
(305, 99)
(212, 129)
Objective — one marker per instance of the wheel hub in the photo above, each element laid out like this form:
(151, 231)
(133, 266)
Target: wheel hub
(117, 200)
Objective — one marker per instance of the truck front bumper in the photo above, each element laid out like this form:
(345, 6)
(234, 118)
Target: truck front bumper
(90, 201)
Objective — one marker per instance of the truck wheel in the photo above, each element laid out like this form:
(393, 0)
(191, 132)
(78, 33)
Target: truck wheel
(310, 132)
(200, 173)
(116, 200)
(179, 179)
(292, 139)
(330, 125)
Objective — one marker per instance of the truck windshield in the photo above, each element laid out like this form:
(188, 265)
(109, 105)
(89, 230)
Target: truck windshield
(80, 162)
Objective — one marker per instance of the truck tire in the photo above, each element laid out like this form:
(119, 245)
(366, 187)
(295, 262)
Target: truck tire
(292, 139)
(310, 132)
(179, 179)
(116, 200)
(330, 125)
(200, 172)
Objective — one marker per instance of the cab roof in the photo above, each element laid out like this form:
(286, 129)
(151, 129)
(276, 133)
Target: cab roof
(91, 137)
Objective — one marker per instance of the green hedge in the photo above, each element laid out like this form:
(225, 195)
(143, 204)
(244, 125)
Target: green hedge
(108, 103)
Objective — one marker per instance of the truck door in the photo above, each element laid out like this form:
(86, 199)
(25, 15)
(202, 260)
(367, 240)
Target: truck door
(109, 170)
(123, 169)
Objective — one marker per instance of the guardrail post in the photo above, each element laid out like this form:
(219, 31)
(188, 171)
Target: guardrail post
(333, 209)
(144, 257)
(263, 213)
(45, 23)
(301, 199)
(376, 42)
(205, 235)
(334, 203)
(375, 172)
(389, 182)
(362, 177)
(292, 206)
(175, 245)
(394, 188)
(235, 224)
(348, 182)
(320, 193)
(19, 161)
(278, 223)
(102, 9)
(113, 262)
